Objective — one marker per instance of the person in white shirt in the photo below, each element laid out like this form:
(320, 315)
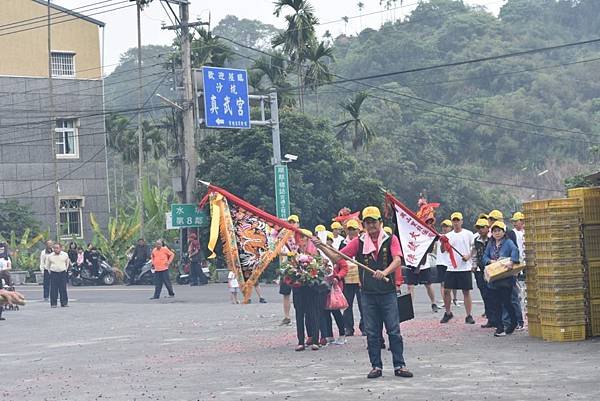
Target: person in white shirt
(336, 229)
(58, 263)
(234, 287)
(45, 252)
(459, 277)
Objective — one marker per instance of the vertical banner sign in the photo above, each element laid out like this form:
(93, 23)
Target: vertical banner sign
(415, 236)
(226, 102)
(282, 191)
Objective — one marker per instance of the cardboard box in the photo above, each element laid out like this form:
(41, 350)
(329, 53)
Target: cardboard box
(499, 270)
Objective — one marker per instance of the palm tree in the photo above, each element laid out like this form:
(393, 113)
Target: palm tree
(362, 135)
(318, 57)
(361, 7)
(299, 32)
(271, 72)
(345, 19)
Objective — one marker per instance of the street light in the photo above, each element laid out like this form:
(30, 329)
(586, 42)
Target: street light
(290, 158)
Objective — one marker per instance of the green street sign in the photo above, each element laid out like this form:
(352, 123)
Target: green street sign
(188, 215)
(282, 191)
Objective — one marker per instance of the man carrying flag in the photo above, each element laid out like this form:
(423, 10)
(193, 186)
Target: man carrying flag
(381, 252)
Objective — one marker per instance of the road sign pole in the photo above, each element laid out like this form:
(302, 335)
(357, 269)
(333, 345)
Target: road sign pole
(282, 191)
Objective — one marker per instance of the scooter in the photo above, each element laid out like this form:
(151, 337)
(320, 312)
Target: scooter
(144, 276)
(183, 275)
(81, 275)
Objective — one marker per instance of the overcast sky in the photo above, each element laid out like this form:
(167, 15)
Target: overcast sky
(121, 24)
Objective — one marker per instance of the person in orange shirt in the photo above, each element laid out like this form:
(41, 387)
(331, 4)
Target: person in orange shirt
(161, 259)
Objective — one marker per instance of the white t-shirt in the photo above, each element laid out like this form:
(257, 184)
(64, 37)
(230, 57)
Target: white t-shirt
(441, 258)
(520, 243)
(337, 241)
(233, 283)
(463, 242)
(5, 264)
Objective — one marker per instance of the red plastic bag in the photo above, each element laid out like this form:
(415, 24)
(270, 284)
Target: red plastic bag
(336, 299)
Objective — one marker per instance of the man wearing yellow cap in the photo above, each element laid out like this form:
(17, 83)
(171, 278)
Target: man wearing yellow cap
(382, 253)
(442, 259)
(459, 277)
(336, 229)
(352, 283)
(284, 289)
(481, 240)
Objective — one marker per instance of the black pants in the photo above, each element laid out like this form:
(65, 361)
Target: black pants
(306, 305)
(484, 290)
(197, 276)
(351, 290)
(326, 323)
(502, 297)
(46, 284)
(58, 286)
(160, 278)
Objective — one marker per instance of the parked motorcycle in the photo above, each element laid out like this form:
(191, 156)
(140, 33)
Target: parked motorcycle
(144, 276)
(82, 275)
(183, 275)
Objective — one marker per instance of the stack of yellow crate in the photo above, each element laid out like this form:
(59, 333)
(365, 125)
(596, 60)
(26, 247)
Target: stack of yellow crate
(553, 232)
(590, 201)
(532, 302)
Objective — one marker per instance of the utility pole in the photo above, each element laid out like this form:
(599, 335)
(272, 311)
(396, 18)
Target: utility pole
(52, 128)
(190, 154)
(275, 128)
(140, 133)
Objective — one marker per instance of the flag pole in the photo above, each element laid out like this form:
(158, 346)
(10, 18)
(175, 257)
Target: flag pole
(326, 247)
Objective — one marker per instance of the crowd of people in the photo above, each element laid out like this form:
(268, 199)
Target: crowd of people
(378, 248)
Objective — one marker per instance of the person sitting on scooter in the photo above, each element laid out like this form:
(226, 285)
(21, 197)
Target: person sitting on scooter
(141, 254)
(92, 260)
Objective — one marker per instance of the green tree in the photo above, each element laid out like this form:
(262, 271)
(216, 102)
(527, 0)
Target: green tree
(318, 57)
(362, 134)
(299, 32)
(17, 218)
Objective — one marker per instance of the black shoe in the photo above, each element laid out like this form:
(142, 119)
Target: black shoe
(2, 318)
(499, 333)
(511, 329)
(488, 325)
(403, 372)
(64, 306)
(374, 374)
(193, 285)
(262, 301)
(447, 317)
(469, 320)
(435, 308)
(155, 298)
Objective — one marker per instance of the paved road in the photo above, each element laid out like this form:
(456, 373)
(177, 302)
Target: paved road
(115, 344)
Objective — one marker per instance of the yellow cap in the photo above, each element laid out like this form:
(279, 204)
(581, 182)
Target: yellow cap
(306, 232)
(388, 230)
(371, 212)
(518, 216)
(352, 224)
(482, 223)
(483, 216)
(496, 215)
(294, 218)
(336, 226)
(498, 224)
(320, 228)
(447, 223)
(456, 215)
(330, 236)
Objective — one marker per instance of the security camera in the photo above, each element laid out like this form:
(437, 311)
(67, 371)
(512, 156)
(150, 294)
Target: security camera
(291, 157)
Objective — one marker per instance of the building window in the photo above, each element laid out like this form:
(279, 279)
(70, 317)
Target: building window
(63, 65)
(71, 218)
(67, 143)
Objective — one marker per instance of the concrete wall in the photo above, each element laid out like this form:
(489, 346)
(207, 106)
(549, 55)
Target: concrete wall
(26, 153)
(26, 53)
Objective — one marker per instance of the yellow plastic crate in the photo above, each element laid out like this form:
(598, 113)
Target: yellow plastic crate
(557, 235)
(554, 267)
(595, 316)
(557, 253)
(591, 242)
(590, 203)
(563, 317)
(563, 332)
(560, 304)
(594, 278)
(535, 329)
(547, 296)
(560, 281)
(544, 219)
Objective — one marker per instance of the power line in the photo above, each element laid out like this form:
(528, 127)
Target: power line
(343, 79)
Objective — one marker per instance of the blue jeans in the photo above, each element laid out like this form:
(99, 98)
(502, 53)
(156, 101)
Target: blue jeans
(516, 301)
(379, 310)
